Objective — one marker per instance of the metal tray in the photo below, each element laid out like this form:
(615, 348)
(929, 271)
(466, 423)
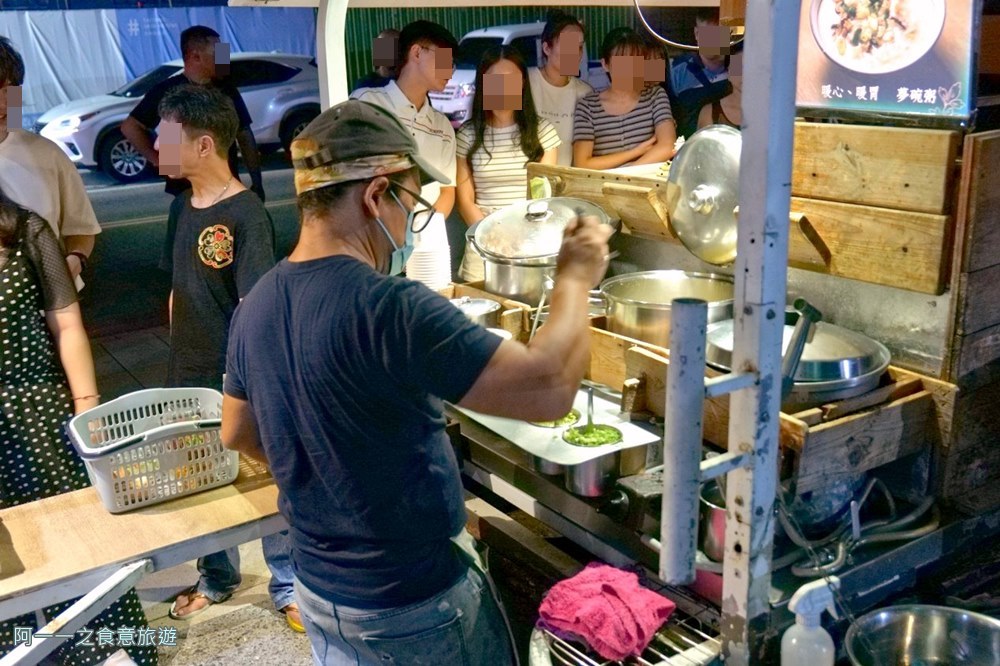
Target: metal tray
(548, 444)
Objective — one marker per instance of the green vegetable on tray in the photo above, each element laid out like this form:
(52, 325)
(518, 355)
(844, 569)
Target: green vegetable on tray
(593, 435)
(569, 419)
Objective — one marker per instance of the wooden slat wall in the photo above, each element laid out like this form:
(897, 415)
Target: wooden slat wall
(976, 284)
(888, 167)
(895, 248)
(970, 466)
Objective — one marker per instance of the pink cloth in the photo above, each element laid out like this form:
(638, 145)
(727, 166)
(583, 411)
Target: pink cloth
(608, 609)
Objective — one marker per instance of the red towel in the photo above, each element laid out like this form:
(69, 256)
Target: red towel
(608, 609)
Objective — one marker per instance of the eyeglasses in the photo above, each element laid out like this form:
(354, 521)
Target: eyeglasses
(424, 208)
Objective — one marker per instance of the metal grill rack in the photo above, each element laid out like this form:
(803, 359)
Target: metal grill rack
(683, 641)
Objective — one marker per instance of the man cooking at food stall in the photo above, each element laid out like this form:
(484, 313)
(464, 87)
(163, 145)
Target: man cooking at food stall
(336, 374)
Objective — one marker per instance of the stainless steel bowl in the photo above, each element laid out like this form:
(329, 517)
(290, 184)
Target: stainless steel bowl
(919, 634)
(480, 311)
(598, 475)
(639, 303)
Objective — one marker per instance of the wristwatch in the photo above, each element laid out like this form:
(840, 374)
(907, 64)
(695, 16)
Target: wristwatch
(82, 257)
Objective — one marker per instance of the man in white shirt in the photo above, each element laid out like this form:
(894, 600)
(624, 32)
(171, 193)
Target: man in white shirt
(555, 86)
(36, 174)
(425, 52)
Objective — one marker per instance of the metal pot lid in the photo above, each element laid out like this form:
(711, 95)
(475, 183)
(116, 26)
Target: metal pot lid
(475, 307)
(531, 229)
(703, 191)
(834, 356)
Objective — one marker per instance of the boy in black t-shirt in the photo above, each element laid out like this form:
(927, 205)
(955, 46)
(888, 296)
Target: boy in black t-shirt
(202, 52)
(220, 241)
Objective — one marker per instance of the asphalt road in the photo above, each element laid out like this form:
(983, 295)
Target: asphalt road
(125, 290)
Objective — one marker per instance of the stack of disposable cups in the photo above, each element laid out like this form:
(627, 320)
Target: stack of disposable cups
(430, 262)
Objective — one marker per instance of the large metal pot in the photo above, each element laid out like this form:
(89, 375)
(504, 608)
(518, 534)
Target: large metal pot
(519, 244)
(638, 304)
(836, 363)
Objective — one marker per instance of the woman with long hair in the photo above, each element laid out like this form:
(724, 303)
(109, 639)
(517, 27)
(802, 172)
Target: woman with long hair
(630, 122)
(495, 145)
(46, 376)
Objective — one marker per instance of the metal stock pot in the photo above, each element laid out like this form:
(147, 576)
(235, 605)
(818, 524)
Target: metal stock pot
(519, 244)
(638, 304)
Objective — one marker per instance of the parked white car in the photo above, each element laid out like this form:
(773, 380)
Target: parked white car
(455, 101)
(281, 92)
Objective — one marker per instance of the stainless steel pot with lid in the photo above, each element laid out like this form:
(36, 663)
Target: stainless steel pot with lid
(836, 363)
(520, 244)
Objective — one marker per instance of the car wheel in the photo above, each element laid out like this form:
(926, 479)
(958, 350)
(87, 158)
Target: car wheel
(294, 124)
(121, 160)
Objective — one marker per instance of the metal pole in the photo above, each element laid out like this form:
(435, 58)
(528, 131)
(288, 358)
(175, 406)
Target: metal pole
(331, 52)
(682, 440)
(771, 50)
(64, 626)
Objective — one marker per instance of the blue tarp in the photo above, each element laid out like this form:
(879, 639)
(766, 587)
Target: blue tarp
(74, 54)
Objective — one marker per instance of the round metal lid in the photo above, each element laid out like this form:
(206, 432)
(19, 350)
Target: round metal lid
(531, 229)
(834, 354)
(703, 191)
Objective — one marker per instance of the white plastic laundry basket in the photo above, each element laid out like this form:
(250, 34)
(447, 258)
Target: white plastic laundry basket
(154, 445)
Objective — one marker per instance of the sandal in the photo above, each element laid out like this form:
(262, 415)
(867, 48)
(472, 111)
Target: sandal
(293, 621)
(192, 595)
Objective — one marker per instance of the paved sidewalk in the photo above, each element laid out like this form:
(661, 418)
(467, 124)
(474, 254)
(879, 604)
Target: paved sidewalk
(244, 630)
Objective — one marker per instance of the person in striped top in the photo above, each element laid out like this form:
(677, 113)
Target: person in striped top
(495, 145)
(629, 123)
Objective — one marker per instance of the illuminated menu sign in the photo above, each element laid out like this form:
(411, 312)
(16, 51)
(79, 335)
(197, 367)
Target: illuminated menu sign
(894, 57)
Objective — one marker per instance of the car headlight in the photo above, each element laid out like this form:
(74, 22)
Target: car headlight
(73, 122)
(467, 90)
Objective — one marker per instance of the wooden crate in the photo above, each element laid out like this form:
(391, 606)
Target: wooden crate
(515, 317)
(907, 414)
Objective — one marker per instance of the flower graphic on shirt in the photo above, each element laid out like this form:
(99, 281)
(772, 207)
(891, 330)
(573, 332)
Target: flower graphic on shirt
(215, 246)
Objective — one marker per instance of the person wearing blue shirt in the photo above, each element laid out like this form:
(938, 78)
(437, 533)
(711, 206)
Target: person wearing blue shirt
(336, 377)
(700, 78)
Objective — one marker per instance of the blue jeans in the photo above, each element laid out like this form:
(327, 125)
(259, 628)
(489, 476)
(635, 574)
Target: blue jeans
(220, 572)
(461, 626)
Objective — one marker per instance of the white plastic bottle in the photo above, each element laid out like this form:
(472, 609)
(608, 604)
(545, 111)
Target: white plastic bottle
(807, 643)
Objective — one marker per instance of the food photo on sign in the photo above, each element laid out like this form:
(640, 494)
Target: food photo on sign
(901, 58)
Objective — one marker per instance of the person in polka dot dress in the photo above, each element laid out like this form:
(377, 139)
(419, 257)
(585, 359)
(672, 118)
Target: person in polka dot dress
(46, 376)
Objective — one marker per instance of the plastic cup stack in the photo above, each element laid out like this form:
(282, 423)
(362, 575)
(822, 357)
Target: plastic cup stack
(430, 262)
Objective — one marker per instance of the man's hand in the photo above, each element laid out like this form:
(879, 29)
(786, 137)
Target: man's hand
(258, 189)
(584, 252)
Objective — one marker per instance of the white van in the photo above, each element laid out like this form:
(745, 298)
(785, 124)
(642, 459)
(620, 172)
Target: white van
(455, 101)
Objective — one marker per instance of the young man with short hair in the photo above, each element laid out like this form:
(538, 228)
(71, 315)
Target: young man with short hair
(220, 240)
(556, 86)
(202, 52)
(425, 65)
(697, 79)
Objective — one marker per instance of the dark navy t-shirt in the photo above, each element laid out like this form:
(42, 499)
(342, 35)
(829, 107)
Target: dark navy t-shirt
(345, 371)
